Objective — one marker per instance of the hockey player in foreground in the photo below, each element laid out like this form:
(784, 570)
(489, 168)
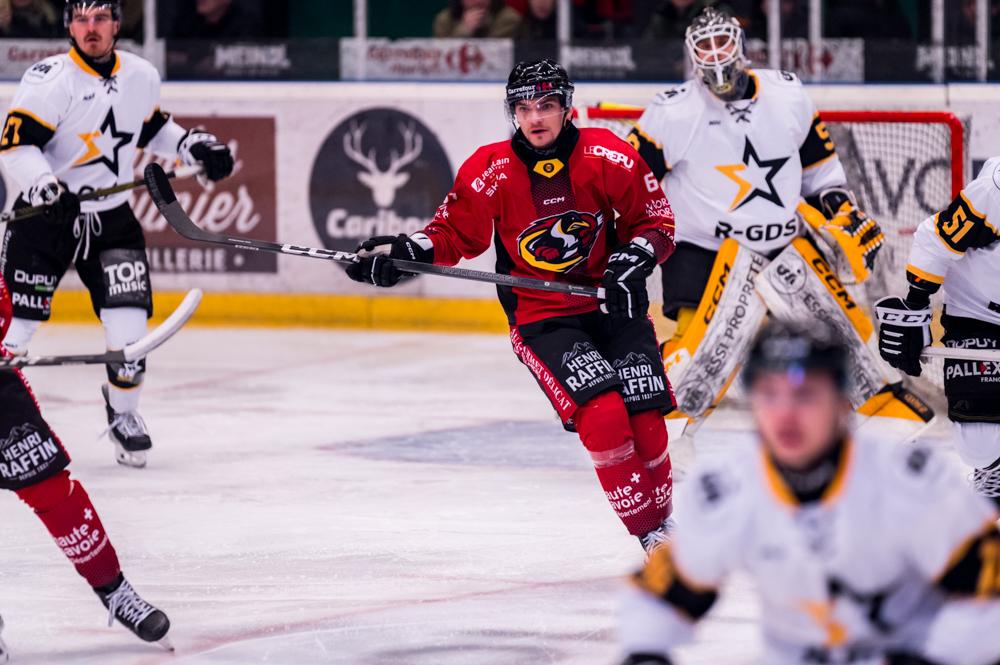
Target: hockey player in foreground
(863, 551)
(548, 199)
(958, 248)
(33, 465)
(740, 149)
(75, 125)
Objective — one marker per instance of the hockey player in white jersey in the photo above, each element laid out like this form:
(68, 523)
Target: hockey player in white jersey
(958, 248)
(762, 205)
(863, 552)
(75, 125)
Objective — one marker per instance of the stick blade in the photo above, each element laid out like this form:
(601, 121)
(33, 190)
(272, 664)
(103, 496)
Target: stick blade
(159, 185)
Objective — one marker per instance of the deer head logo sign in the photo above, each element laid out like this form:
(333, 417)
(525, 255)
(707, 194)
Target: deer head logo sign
(380, 171)
(383, 183)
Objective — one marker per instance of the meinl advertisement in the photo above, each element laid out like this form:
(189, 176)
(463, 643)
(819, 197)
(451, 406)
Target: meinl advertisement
(244, 204)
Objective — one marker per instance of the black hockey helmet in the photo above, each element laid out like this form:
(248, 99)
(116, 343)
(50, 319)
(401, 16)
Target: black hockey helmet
(797, 347)
(538, 78)
(114, 5)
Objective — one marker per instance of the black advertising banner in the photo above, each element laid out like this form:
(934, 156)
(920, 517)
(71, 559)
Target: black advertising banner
(299, 59)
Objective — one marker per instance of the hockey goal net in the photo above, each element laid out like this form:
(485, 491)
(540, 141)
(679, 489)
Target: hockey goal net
(902, 165)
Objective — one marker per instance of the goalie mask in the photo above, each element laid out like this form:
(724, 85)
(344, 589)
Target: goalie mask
(714, 43)
(536, 82)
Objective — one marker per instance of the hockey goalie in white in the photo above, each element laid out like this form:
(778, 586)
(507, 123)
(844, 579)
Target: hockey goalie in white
(863, 552)
(958, 248)
(762, 209)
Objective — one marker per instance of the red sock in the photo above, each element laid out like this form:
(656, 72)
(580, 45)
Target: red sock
(651, 445)
(66, 511)
(604, 429)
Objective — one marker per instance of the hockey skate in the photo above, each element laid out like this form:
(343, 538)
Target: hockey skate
(987, 482)
(4, 653)
(658, 537)
(129, 434)
(130, 610)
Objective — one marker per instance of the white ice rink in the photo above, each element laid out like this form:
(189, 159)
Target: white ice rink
(337, 497)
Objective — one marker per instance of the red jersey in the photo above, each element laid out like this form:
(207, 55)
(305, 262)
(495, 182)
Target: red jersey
(556, 216)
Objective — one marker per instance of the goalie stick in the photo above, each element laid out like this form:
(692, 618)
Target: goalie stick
(26, 213)
(163, 195)
(130, 353)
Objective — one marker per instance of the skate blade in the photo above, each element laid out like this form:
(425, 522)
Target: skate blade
(166, 643)
(133, 459)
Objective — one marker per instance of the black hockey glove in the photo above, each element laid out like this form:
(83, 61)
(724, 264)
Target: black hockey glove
(201, 148)
(61, 205)
(903, 332)
(647, 659)
(624, 281)
(378, 269)
(907, 659)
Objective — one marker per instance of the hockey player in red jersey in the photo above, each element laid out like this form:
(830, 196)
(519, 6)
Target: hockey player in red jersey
(580, 206)
(33, 465)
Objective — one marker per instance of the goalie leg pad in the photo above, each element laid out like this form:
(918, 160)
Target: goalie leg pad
(971, 386)
(30, 452)
(703, 363)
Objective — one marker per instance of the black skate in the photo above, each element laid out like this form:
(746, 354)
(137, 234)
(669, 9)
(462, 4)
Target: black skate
(124, 604)
(129, 434)
(658, 537)
(4, 653)
(987, 482)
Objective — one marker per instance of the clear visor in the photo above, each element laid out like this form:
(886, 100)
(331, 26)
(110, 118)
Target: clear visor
(525, 111)
(714, 50)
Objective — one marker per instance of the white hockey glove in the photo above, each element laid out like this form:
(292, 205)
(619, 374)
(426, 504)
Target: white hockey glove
(624, 282)
(904, 330)
(852, 238)
(61, 205)
(199, 148)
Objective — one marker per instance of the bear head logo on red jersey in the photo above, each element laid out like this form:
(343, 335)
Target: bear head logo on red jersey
(561, 242)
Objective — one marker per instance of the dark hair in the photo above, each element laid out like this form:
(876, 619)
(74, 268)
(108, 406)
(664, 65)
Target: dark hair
(456, 8)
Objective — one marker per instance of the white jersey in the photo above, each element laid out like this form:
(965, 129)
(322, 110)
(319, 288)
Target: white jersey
(739, 169)
(67, 120)
(960, 248)
(844, 578)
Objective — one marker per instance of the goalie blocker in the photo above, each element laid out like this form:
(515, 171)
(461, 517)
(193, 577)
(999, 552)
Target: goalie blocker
(742, 286)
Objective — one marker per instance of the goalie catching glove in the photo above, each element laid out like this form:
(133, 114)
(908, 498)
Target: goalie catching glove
(378, 269)
(904, 330)
(624, 282)
(852, 238)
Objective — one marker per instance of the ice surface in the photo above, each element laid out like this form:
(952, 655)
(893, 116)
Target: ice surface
(338, 497)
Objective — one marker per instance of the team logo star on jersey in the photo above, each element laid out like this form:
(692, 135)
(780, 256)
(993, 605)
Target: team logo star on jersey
(103, 146)
(754, 177)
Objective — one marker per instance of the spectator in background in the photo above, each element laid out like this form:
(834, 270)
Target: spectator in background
(602, 19)
(794, 19)
(476, 18)
(217, 19)
(539, 20)
(29, 19)
(672, 18)
(868, 19)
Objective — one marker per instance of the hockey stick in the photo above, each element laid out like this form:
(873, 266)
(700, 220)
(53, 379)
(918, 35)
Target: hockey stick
(130, 353)
(163, 195)
(34, 211)
(960, 354)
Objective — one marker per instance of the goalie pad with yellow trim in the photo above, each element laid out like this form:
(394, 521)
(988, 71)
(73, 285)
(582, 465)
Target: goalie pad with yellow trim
(705, 360)
(852, 238)
(799, 285)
